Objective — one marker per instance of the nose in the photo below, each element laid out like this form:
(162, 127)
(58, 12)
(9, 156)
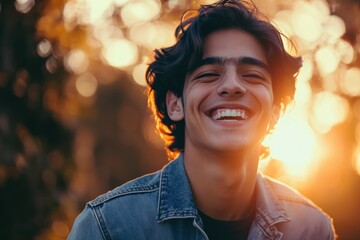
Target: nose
(231, 85)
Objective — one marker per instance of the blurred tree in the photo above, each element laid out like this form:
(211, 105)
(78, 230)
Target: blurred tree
(34, 147)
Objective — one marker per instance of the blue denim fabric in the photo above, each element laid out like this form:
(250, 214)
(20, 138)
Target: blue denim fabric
(161, 206)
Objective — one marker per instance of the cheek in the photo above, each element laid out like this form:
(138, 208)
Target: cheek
(261, 92)
(195, 95)
(266, 95)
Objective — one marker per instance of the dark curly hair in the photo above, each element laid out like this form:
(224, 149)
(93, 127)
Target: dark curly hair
(171, 65)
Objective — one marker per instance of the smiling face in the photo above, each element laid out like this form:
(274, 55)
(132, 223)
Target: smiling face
(228, 99)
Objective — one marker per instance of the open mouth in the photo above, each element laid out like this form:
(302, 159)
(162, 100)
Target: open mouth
(225, 114)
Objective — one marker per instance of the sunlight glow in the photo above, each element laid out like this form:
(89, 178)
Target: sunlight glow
(329, 109)
(293, 142)
(120, 53)
(303, 94)
(306, 71)
(86, 85)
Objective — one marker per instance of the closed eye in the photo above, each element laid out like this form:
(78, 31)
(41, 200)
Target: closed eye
(204, 75)
(255, 76)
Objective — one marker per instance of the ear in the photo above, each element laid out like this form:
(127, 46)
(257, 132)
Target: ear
(174, 106)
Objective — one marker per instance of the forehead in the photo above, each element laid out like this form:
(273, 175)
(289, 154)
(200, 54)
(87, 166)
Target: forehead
(233, 43)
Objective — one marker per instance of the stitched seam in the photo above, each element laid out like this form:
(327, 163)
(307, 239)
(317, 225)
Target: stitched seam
(101, 223)
(112, 195)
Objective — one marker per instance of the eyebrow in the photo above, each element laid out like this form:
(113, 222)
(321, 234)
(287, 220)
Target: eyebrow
(233, 60)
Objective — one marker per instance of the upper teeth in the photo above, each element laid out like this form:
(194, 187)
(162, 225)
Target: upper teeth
(229, 113)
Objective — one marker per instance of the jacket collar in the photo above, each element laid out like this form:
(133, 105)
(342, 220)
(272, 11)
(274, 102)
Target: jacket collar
(268, 206)
(175, 195)
(176, 199)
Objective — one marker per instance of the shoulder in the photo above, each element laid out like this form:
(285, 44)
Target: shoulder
(130, 204)
(306, 217)
(112, 212)
(287, 194)
(142, 185)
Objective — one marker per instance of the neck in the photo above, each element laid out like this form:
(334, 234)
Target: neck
(223, 184)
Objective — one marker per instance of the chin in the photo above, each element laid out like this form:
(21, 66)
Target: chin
(235, 146)
(231, 147)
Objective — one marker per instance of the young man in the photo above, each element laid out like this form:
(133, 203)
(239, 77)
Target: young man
(215, 94)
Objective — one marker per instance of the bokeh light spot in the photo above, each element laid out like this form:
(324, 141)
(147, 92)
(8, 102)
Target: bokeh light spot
(86, 85)
(52, 64)
(60, 228)
(120, 53)
(329, 109)
(137, 11)
(139, 74)
(350, 83)
(95, 10)
(44, 48)
(176, 3)
(282, 22)
(327, 59)
(148, 35)
(345, 50)
(24, 6)
(76, 61)
(120, 3)
(70, 13)
(306, 27)
(334, 28)
(105, 32)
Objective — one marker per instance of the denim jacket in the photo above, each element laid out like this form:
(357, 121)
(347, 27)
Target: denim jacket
(161, 206)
